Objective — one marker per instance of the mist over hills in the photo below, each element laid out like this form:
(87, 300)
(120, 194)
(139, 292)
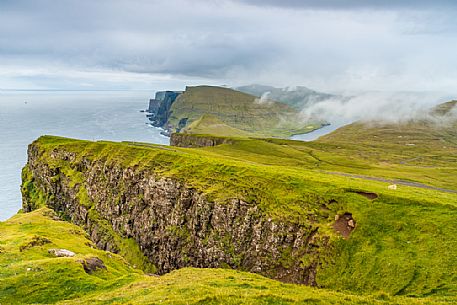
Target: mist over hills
(298, 97)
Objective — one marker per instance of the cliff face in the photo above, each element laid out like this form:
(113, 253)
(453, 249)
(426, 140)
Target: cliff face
(190, 140)
(173, 224)
(159, 107)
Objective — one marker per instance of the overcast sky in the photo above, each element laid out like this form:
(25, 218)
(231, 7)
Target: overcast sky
(326, 45)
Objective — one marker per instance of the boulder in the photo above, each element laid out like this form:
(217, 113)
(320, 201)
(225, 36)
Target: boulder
(92, 264)
(61, 252)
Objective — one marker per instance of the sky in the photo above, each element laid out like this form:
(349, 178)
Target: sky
(327, 45)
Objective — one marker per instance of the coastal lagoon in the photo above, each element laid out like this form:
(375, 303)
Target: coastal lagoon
(316, 134)
(90, 115)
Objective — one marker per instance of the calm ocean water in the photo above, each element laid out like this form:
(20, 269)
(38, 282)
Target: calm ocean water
(24, 116)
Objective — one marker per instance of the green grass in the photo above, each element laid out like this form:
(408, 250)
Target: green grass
(209, 124)
(34, 276)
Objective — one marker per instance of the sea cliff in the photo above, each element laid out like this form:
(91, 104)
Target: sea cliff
(173, 224)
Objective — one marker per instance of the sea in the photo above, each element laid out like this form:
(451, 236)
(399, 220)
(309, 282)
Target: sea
(90, 115)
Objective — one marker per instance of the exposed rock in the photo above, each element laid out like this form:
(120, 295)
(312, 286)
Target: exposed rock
(190, 140)
(92, 264)
(61, 252)
(159, 107)
(344, 224)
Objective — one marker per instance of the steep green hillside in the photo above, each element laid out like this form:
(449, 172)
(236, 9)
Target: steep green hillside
(237, 110)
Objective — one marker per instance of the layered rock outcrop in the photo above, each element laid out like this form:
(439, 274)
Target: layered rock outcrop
(159, 107)
(191, 140)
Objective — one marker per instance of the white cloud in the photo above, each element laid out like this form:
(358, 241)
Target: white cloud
(374, 106)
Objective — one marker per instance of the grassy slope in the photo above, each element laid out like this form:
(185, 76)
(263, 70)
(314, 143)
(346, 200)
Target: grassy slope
(445, 108)
(239, 111)
(404, 243)
(34, 276)
(209, 124)
(405, 163)
(420, 151)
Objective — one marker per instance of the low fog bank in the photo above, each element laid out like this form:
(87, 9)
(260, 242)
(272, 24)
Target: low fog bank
(378, 107)
(264, 99)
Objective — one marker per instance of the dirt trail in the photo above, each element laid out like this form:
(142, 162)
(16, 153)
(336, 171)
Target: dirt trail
(395, 181)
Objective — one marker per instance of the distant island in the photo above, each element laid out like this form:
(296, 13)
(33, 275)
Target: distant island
(228, 112)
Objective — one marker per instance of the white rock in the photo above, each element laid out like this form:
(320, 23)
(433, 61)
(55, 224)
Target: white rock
(392, 187)
(61, 252)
